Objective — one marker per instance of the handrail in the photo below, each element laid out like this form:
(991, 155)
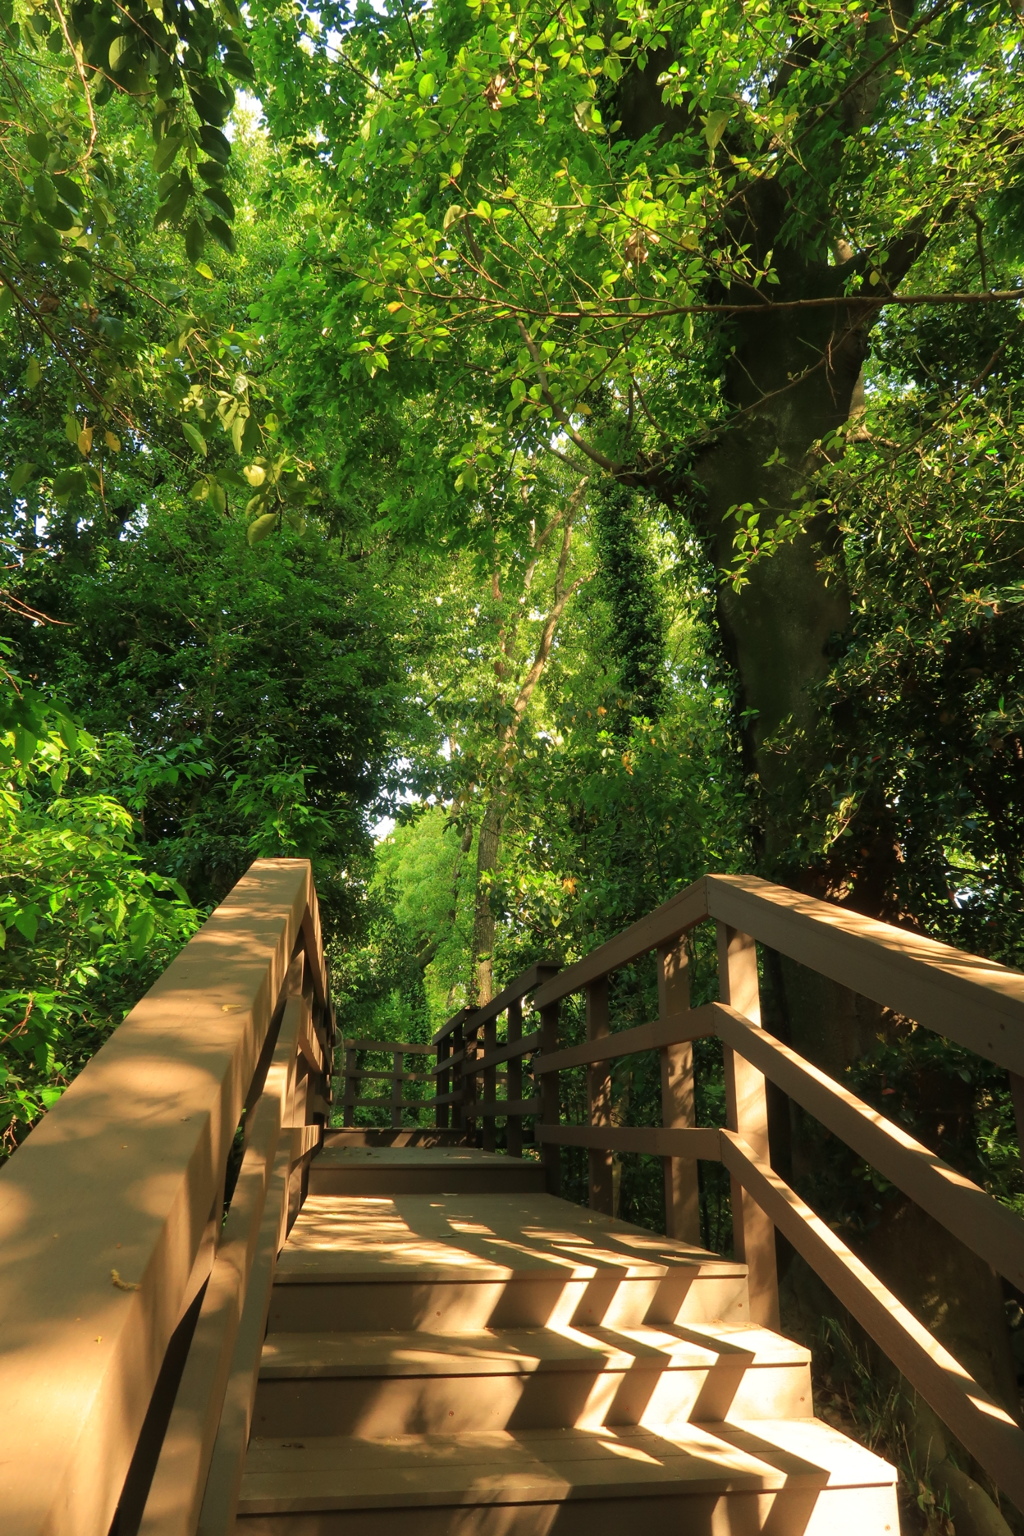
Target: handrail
(111, 1215)
(973, 1001)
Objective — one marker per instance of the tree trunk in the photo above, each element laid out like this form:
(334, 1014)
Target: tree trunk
(487, 849)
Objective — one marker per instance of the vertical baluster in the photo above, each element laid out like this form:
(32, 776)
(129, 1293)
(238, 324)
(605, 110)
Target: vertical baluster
(599, 1100)
(396, 1091)
(349, 1096)
(442, 1116)
(490, 1083)
(550, 1155)
(747, 1114)
(458, 1081)
(469, 1128)
(682, 1190)
(514, 1080)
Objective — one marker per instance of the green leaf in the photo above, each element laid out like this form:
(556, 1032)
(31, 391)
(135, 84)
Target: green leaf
(215, 144)
(204, 270)
(33, 373)
(194, 438)
(426, 86)
(714, 126)
(70, 191)
(69, 482)
(195, 238)
(221, 233)
(38, 146)
(262, 528)
(166, 153)
(27, 924)
(119, 48)
(21, 476)
(220, 199)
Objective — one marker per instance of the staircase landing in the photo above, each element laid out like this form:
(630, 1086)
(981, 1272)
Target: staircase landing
(451, 1356)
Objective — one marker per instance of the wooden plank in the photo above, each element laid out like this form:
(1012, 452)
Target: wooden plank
(678, 1028)
(389, 1046)
(527, 981)
(975, 1002)
(454, 1023)
(547, 1081)
(992, 1230)
(227, 1461)
(682, 1189)
(746, 1109)
(694, 1141)
(175, 1495)
(406, 1077)
(123, 1174)
(514, 1077)
(314, 948)
(390, 1103)
(659, 927)
(311, 1048)
(513, 1051)
(496, 1108)
(600, 1186)
(455, 1060)
(977, 1421)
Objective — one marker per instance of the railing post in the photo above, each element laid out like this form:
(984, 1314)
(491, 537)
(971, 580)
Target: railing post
(442, 1112)
(514, 1079)
(468, 1078)
(682, 1189)
(396, 1090)
(490, 1083)
(599, 1101)
(747, 1115)
(350, 1093)
(550, 1154)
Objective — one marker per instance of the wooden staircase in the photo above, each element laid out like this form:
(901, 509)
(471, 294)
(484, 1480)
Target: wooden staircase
(451, 1350)
(219, 1316)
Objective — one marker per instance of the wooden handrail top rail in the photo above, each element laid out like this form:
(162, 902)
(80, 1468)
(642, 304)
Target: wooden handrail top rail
(659, 927)
(452, 1025)
(509, 1052)
(527, 981)
(991, 1229)
(677, 1029)
(123, 1176)
(975, 1418)
(391, 1046)
(473, 1019)
(975, 1002)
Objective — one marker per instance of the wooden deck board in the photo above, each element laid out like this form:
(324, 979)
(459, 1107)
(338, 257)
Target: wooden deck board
(551, 1466)
(526, 1351)
(484, 1237)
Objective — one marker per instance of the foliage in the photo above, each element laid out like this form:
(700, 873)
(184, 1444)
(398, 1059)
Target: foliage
(84, 927)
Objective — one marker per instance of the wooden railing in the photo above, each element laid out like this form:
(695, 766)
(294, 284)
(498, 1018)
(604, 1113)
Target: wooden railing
(132, 1308)
(972, 1001)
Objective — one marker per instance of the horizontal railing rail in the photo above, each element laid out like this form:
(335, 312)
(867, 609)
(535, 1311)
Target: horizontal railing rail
(395, 1102)
(132, 1307)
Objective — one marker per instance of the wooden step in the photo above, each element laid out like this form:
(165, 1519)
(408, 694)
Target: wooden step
(373, 1385)
(376, 1136)
(344, 1169)
(789, 1478)
(464, 1263)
